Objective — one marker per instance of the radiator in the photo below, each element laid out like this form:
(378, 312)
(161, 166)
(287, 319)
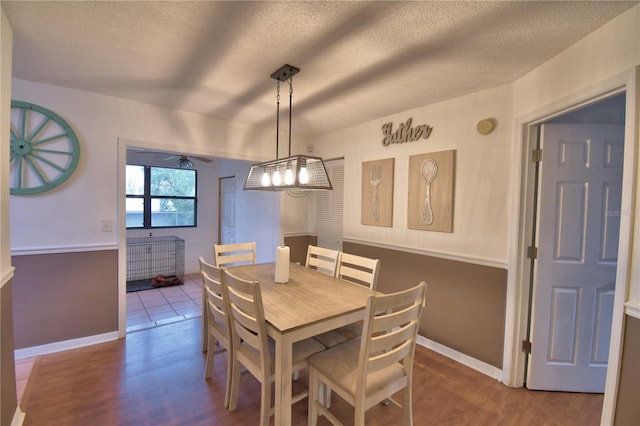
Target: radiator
(148, 257)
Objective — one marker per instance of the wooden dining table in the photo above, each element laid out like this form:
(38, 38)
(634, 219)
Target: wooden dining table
(310, 303)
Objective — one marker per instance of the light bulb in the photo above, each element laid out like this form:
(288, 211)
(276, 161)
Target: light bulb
(288, 176)
(277, 180)
(265, 179)
(304, 176)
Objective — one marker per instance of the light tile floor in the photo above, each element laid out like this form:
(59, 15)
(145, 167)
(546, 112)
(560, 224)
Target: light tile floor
(152, 308)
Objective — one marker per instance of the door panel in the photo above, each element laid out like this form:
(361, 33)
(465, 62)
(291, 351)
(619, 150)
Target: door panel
(612, 199)
(564, 325)
(603, 317)
(570, 213)
(227, 231)
(574, 275)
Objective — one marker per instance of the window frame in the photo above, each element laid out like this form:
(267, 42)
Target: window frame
(147, 199)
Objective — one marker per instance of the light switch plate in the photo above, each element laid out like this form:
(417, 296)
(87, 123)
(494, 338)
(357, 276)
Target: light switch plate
(105, 225)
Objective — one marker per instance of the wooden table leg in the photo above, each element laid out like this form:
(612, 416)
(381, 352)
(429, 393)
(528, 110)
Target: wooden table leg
(283, 363)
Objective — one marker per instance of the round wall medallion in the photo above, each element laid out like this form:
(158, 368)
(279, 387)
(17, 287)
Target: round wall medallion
(44, 149)
(486, 126)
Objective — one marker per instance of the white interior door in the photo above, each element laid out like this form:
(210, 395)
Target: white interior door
(227, 213)
(578, 226)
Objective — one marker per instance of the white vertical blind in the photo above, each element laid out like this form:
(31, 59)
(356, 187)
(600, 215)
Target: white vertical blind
(330, 207)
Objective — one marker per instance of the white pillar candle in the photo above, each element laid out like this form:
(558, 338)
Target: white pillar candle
(282, 264)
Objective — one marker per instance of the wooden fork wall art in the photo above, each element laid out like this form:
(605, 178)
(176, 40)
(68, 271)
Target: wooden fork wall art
(431, 191)
(377, 192)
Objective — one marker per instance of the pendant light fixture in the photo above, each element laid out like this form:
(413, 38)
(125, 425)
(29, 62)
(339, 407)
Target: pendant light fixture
(295, 171)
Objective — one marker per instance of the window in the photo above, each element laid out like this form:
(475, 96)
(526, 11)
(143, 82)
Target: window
(331, 206)
(159, 197)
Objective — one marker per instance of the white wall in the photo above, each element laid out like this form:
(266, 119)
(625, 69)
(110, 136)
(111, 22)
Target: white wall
(612, 49)
(69, 216)
(10, 413)
(6, 44)
(488, 173)
(198, 241)
(299, 214)
(604, 58)
(257, 213)
(482, 169)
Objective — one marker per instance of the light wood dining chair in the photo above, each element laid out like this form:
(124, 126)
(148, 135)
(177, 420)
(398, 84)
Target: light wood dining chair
(322, 259)
(252, 348)
(370, 370)
(218, 322)
(360, 270)
(227, 255)
(234, 254)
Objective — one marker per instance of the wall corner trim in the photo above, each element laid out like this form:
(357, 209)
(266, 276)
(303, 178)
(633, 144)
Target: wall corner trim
(18, 417)
(65, 345)
(493, 263)
(632, 308)
(7, 275)
(299, 234)
(26, 251)
(479, 366)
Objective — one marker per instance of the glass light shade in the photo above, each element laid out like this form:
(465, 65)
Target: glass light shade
(288, 176)
(266, 181)
(277, 180)
(304, 176)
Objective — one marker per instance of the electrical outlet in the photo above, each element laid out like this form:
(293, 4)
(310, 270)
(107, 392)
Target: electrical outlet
(105, 225)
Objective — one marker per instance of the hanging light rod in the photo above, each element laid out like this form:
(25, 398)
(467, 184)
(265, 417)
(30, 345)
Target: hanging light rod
(300, 171)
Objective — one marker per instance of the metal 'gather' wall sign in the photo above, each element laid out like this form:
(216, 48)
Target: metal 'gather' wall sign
(404, 133)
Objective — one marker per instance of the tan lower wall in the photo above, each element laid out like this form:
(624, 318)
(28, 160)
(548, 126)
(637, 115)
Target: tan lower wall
(298, 247)
(8, 403)
(628, 403)
(466, 303)
(63, 296)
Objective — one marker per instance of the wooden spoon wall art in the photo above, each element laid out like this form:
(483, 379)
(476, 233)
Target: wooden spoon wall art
(429, 171)
(431, 191)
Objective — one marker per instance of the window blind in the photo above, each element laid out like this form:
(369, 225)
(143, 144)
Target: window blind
(330, 207)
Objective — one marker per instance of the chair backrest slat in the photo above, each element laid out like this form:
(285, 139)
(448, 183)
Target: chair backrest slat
(393, 338)
(216, 305)
(322, 259)
(387, 359)
(234, 254)
(359, 269)
(387, 320)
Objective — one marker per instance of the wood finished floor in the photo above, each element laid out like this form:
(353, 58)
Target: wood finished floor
(155, 377)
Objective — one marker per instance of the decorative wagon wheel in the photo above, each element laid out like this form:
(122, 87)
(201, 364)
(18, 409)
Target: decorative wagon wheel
(44, 149)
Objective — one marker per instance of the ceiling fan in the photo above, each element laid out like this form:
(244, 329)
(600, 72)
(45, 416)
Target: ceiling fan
(182, 161)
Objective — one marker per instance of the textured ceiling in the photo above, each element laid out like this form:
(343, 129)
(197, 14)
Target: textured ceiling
(359, 60)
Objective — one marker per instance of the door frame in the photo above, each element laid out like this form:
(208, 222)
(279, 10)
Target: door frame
(518, 291)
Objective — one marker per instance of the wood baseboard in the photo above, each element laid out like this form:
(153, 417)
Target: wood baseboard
(482, 367)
